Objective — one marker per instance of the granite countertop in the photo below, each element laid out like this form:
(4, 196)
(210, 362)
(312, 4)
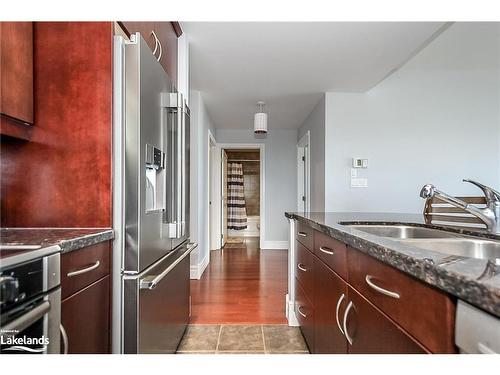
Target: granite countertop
(476, 281)
(68, 239)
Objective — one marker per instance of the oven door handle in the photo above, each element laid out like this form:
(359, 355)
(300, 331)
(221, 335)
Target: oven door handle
(24, 321)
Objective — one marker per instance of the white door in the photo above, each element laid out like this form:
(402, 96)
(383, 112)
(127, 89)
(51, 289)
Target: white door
(224, 198)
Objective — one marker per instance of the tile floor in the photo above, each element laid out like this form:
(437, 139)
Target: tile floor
(242, 339)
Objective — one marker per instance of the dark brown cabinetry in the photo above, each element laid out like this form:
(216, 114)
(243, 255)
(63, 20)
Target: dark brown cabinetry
(85, 317)
(85, 309)
(16, 78)
(167, 34)
(330, 296)
(368, 331)
(349, 302)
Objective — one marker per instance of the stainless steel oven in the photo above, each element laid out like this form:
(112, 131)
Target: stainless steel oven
(30, 306)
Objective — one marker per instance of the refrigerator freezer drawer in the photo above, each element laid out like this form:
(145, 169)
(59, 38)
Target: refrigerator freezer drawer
(156, 314)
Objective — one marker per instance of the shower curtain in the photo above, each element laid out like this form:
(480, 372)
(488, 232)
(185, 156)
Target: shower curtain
(236, 210)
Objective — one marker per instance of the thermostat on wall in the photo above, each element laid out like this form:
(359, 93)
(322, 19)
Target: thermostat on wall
(359, 163)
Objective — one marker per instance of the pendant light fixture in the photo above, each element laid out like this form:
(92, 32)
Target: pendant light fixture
(260, 120)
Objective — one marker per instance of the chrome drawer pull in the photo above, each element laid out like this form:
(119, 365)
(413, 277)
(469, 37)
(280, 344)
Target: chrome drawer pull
(65, 338)
(84, 270)
(302, 234)
(326, 250)
(385, 292)
(347, 310)
(300, 312)
(301, 267)
(339, 302)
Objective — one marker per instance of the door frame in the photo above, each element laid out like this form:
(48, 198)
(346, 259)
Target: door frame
(213, 210)
(262, 149)
(304, 172)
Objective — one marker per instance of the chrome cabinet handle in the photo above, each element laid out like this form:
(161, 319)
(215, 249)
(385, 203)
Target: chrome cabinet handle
(65, 338)
(84, 270)
(346, 334)
(339, 302)
(383, 291)
(325, 250)
(300, 312)
(302, 234)
(157, 44)
(301, 267)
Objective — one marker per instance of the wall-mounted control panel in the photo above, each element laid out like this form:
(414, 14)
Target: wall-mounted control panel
(359, 163)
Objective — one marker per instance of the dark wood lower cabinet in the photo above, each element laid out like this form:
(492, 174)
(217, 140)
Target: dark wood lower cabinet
(371, 332)
(335, 318)
(85, 318)
(330, 290)
(305, 315)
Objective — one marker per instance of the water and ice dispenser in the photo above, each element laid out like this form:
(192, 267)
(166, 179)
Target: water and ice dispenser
(155, 179)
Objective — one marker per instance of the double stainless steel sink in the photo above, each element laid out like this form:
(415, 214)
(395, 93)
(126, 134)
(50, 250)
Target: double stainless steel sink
(435, 240)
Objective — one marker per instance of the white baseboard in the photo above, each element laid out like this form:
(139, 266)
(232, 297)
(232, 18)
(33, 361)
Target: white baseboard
(271, 245)
(196, 270)
(290, 313)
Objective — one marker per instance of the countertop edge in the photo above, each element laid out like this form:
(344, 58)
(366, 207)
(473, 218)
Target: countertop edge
(85, 240)
(470, 290)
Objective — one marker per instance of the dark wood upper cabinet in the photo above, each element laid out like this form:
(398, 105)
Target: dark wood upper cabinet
(167, 33)
(16, 78)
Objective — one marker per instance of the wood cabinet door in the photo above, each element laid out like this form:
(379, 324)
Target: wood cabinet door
(85, 318)
(371, 332)
(304, 310)
(168, 38)
(16, 71)
(330, 300)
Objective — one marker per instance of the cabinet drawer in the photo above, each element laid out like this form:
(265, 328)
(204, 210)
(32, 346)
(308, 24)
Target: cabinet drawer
(426, 313)
(304, 268)
(304, 235)
(332, 252)
(371, 332)
(85, 318)
(82, 267)
(304, 311)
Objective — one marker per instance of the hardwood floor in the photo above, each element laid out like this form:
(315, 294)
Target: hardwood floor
(242, 284)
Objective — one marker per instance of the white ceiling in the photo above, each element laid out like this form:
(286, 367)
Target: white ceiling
(288, 64)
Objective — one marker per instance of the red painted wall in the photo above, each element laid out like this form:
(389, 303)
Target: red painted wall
(62, 176)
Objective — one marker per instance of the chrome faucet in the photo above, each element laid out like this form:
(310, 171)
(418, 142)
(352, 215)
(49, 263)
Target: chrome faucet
(490, 215)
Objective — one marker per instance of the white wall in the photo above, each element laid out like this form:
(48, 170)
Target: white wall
(315, 124)
(199, 180)
(280, 175)
(436, 120)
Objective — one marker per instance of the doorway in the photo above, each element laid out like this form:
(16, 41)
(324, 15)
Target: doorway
(303, 174)
(241, 196)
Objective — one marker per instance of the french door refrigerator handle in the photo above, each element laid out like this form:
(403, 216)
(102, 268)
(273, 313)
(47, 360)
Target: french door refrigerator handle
(173, 102)
(150, 282)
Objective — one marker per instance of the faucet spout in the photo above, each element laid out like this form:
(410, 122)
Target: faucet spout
(490, 215)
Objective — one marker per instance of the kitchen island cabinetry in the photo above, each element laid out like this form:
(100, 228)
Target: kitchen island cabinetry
(358, 305)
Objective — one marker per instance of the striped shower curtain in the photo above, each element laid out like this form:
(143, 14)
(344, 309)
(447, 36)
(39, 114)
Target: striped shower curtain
(236, 210)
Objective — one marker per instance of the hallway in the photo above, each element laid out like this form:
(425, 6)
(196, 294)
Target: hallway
(242, 284)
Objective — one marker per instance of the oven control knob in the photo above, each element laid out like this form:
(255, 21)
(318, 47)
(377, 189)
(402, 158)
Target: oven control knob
(9, 289)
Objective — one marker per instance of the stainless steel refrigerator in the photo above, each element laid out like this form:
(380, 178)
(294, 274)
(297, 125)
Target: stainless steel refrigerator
(151, 301)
